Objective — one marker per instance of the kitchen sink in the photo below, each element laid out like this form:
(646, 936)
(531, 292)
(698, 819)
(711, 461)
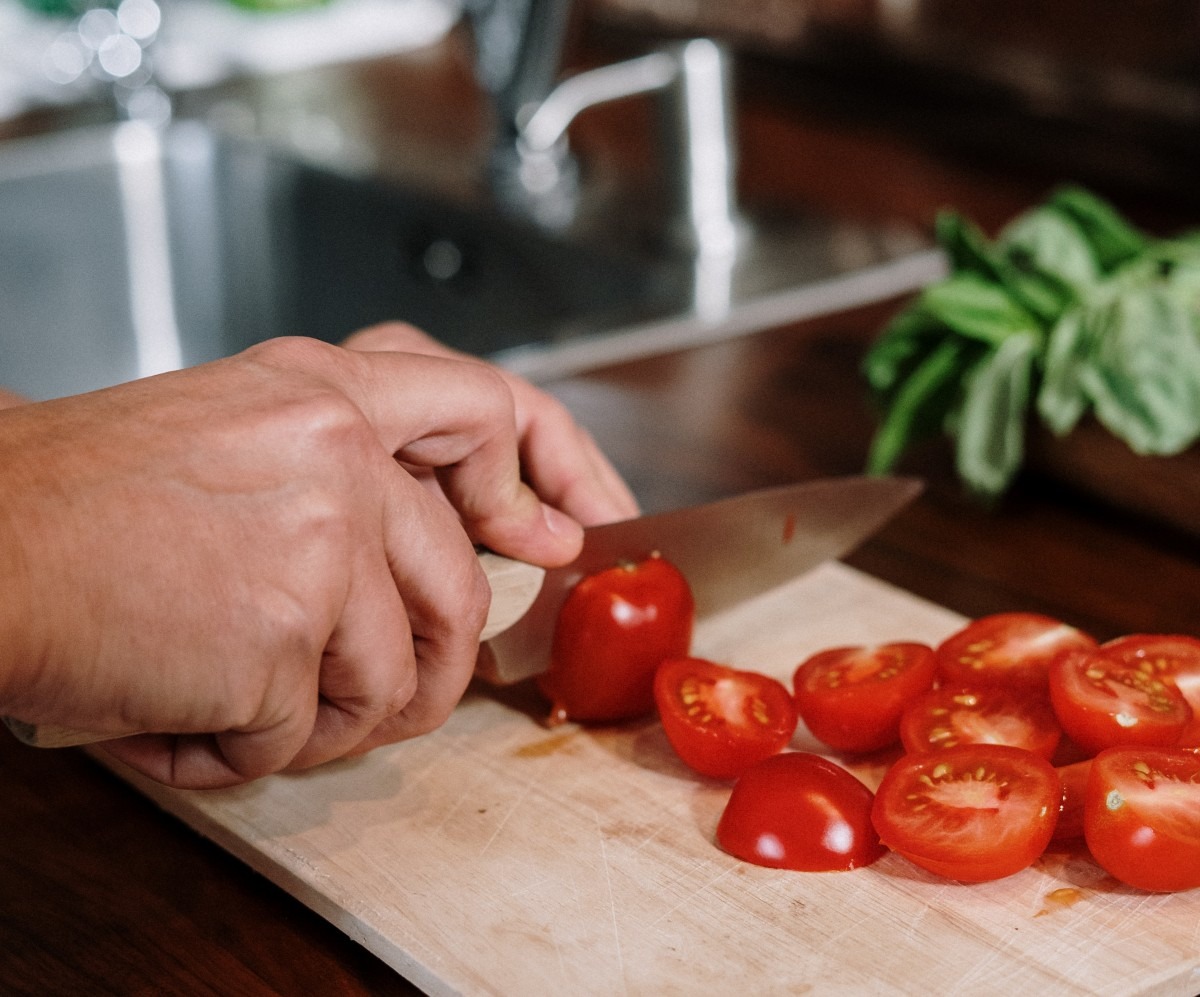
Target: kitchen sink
(126, 251)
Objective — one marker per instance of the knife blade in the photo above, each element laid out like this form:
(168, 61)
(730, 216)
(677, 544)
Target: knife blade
(728, 550)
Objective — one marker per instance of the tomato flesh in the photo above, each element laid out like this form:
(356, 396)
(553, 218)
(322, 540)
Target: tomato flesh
(722, 720)
(973, 813)
(947, 717)
(1103, 703)
(1010, 649)
(1172, 657)
(1142, 817)
(852, 698)
(800, 811)
(614, 629)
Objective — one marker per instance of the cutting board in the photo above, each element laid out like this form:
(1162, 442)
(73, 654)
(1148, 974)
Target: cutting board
(497, 856)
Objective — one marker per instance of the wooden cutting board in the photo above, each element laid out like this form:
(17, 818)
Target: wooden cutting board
(497, 856)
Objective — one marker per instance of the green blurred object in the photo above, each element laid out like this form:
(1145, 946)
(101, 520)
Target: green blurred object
(66, 8)
(1070, 310)
(278, 6)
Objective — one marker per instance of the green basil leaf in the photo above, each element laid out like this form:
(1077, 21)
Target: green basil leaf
(1112, 239)
(1050, 242)
(921, 404)
(905, 341)
(991, 428)
(1143, 372)
(1061, 398)
(973, 307)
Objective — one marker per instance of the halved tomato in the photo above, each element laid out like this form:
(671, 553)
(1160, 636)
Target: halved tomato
(1171, 657)
(851, 698)
(1142, 816)
(800, 811)
(720, 720)
(973, 813)
(1010, 649)
(1074, 779)
(1103, 703)
(946, 717)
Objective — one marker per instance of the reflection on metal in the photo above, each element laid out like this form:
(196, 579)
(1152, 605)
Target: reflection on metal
(138, 154)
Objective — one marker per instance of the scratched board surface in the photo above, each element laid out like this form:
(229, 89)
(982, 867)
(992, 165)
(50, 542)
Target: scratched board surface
(497, 856)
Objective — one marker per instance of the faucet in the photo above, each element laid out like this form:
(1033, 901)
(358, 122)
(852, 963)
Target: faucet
(531, 168)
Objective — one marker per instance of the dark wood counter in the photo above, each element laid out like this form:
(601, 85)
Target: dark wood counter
(103, 894)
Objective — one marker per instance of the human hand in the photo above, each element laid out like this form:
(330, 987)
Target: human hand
(558, 457)
(236, 554)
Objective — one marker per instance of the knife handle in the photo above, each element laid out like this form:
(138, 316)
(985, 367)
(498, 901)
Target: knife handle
(514, 586)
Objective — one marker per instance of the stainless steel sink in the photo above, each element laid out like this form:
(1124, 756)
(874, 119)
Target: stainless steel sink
(126, 251)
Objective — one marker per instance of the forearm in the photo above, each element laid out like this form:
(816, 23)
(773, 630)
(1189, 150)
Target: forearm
(9, 399)
(16, 609)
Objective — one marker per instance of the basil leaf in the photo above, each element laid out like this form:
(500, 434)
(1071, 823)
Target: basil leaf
(1062, 399)
(1112, 239)
(1047, 240)
(973, 307)
(1143, 372)
(991, 430)
(904, 343)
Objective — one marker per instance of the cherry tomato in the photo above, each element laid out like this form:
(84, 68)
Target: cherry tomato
(719, 720)
(1074, 779)
(800, 811)
(973, 813)
(1102, 703)
(946, 717)
(1010, 649)
(1173, 658)
(613, 630)
(851, 698)
(1142, 817)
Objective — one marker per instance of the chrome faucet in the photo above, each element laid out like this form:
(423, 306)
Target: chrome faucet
(532, 170)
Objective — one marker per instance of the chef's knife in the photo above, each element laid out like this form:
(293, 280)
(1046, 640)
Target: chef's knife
(728, 550)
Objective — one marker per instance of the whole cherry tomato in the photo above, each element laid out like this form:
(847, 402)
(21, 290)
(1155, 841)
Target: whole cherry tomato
(1010, 649)
(851, 698)
(1103, 703)
(946, 717)
(614, 629)
(799, 811)
(973, 813)
(1074, 779)
(719, 720)
(1142, 816)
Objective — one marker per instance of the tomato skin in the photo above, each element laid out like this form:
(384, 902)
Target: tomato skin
(1174, 658)
(1102, 703)
(1010, 649)
(949, 716)
(852, 698)
(613, 630)
(1074, 779)
(1142, 817)
(720, 720)
(973, 813)
(800, 811)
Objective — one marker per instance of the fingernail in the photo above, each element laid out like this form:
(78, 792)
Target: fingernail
(560, 524)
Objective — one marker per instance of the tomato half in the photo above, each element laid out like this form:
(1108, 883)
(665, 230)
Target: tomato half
(1103, 703)
(946, 717)
(1010, 649)
(973, 813)
(851, 698)
(720, 720)
(613, 630)
(1142, 817)
(800, 811)
(1074, 779)
(1173, 658)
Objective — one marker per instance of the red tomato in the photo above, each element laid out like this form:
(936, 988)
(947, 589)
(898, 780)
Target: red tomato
(1142, 817)
(851, 698)
(1173, 658)
(1010, 649)
(613, 630)
(800, 811)
(1102, 703)
(721, 721)
(944, 718)
(973, 813)
(1074, 779)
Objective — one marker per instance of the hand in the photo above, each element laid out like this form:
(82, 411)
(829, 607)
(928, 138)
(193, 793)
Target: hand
(235, 553)
(559, 458)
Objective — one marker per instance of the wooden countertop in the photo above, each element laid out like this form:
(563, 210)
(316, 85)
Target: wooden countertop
(103, 893)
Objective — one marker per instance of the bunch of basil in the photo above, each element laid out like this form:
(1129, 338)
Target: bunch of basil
(1070, 309)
